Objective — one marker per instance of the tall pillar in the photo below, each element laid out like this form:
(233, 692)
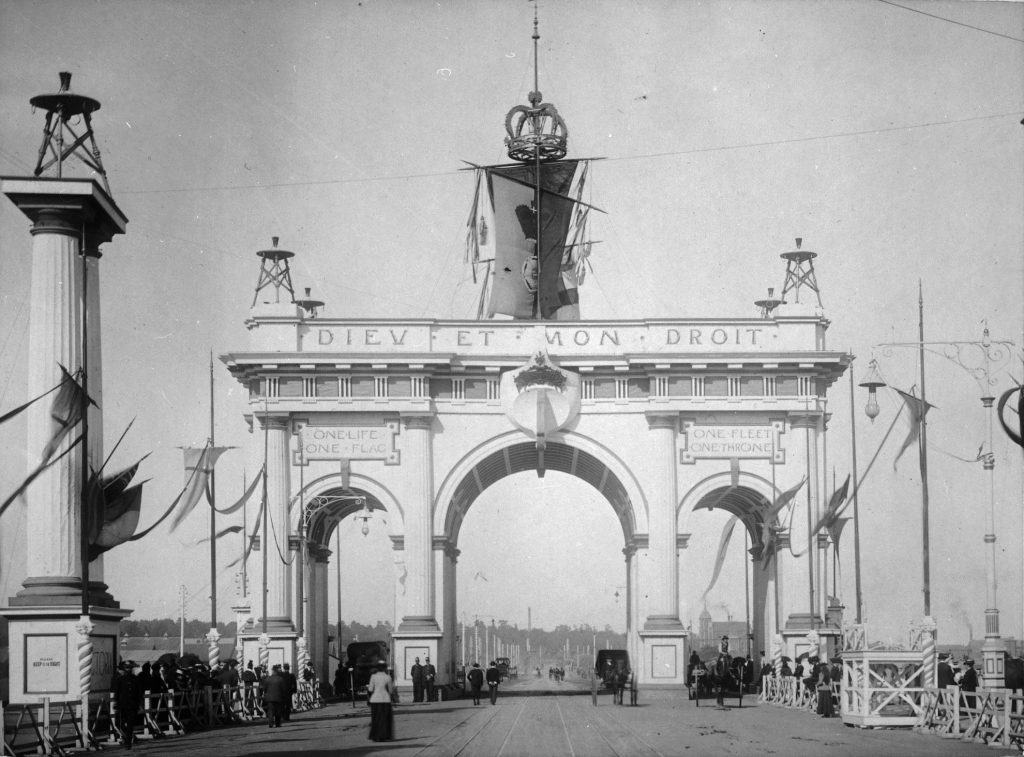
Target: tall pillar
(798, 600)
(417, 455)
(276, 532)
(69, 217)
(664, 583)
(318, 622)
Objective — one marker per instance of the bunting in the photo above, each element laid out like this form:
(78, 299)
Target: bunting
(199, 463)
(36, 473)
(120, 521)
(21, 408)
(834, 508)
(918, 409)
(769, 531)
(222, 532)
(723, 545)
(250, 542)
(245, 497)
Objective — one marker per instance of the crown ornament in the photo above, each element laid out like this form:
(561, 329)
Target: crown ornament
(535, 132)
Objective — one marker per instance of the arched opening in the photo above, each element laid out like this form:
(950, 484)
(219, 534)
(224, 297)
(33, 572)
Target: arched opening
(347, 582)
(727, 537)
(516, 534)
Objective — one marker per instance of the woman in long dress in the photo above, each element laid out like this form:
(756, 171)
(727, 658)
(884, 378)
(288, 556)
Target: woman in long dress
(381, 689)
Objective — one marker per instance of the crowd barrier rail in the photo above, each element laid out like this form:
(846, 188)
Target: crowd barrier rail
(986, 716)
(789, 692)
(55, 727)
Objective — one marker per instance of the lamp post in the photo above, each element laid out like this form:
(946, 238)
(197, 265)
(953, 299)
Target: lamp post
(980, 359)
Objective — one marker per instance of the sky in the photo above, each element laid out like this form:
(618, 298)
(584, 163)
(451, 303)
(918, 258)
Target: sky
(886, 135)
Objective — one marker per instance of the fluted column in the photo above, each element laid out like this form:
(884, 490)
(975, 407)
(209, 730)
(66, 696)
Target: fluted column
(664, 579)
(53, 554)
(275, 537)
(318, 622)
(418, 457)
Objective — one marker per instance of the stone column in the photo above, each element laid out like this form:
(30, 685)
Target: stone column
(276, 532)
(664, 580)
(801, 462)
(318, 622)
(418, 457)
(67, 216)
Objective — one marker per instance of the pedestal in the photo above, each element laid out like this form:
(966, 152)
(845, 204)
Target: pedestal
(280, 647)
(48, 657)
(409, 646)
(662, 662)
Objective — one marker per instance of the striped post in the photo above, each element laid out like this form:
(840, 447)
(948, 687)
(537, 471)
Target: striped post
(303, 653)
(264, 651)
(84, 629)
(929, 656)
(777, 654)
(213, 648)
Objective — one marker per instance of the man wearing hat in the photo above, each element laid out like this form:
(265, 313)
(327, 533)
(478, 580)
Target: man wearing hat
(493, 679)
(969, 681)
(945, 674)
(127, 693)
(416, 673)
(275, 694)
(429, 674)
(475, 676)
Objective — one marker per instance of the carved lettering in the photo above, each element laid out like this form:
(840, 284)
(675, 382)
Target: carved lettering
(555, 337)
(325, 337)
(370, 336)
(611, 336)
(672, 336)
(398, 340)
(463, 339)
(694, 336)
(581, 337)
(719, 336)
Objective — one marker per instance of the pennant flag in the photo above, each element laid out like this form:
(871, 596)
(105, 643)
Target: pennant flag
(16, 411)
(199, 462)
(251, 542)
(245, 497)
(782, 500)
(768, 540)
(222, 532)
(35, 474)
(517, 253)
(918, 408)
(723, 545)
(835, 530)
(121, 522)
(66, 411)
(835, 506)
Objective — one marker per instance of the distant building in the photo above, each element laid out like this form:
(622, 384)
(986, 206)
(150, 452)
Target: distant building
(710, 632)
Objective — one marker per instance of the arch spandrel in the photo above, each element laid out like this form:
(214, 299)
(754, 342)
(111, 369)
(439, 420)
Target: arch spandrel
(511, 453)
(378, 497)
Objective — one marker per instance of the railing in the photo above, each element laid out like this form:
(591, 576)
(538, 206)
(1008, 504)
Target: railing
(55, 727)
(789, 691)
(986, 716)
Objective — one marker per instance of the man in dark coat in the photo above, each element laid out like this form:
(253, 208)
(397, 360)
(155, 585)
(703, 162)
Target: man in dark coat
(127, 692)
(275, 694)
(493, 679)
(945, 676)
(475, 676)
(416, 673)
(293, 687)
(429, 674)
(969, 681)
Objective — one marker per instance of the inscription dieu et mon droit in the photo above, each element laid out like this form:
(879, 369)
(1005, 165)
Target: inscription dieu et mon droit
(596, 337)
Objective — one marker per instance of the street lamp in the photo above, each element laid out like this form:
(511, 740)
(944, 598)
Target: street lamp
(872, 382)
(979, 359)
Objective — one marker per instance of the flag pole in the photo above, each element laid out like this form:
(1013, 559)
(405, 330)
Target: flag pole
(538, 251)
(922, 455)
(266, 531)
(84, 514)
(213, 520)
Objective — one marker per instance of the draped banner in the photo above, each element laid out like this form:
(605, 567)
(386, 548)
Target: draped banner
(723, 545)
(199, 462)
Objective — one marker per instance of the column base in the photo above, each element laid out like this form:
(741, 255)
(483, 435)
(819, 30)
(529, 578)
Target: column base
(48, 591)
(663, 623)
(663, 655)
(43, 642)
(419, 624)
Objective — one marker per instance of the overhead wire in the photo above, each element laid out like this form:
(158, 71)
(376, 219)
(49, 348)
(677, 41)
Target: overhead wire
(951, 21)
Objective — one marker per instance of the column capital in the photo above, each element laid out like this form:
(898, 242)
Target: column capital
(53, 204)
(419, 420)
(273, 421)
(804, 421)
(662, 420)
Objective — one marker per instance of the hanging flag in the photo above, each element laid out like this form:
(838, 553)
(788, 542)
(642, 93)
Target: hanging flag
(199, 462)
(835, 530)
(120, 523)
(18, 410)
(251, 541)
(222, 532)
(918, 408)
(517, 255)
(723, 545)
(781, 501)
(35, 474)
(835, 506)
(245, 497)
(65, 412)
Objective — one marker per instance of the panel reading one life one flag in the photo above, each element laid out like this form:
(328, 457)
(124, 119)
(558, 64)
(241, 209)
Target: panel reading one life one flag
(512, 194)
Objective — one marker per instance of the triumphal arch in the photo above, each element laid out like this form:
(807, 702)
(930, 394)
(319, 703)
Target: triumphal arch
(662, 417)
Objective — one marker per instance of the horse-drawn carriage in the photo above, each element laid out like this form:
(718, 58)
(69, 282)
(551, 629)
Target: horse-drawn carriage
(613, 671)
(723, 678)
